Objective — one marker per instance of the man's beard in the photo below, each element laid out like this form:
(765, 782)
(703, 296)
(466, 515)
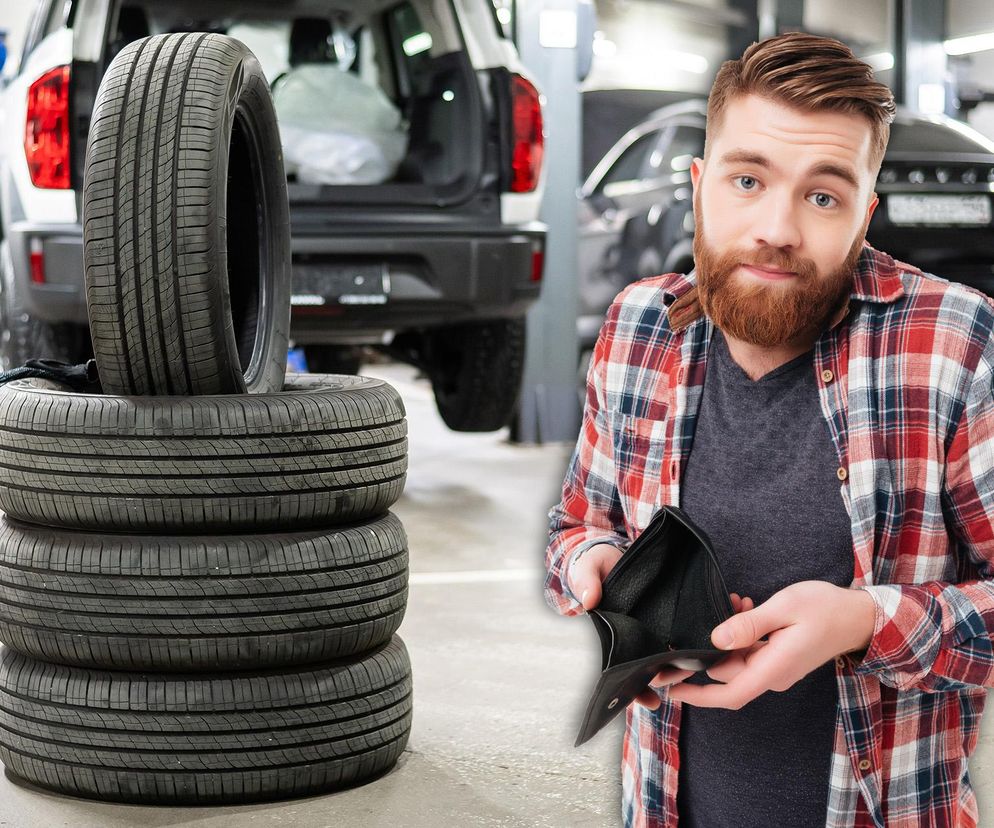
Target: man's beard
(774, 314)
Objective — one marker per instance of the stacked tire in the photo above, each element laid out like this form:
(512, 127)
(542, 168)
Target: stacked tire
(200, 578)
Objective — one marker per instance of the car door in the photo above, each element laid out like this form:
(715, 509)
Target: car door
(616, 187)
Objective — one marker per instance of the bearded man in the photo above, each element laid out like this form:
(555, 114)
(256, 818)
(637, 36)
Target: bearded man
(826, 414)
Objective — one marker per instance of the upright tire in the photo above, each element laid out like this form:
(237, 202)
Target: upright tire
(196, 740)
(186, 233)
(325, 451)
(201, 603)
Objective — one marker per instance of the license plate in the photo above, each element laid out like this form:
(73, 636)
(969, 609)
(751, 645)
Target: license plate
(345, 284)
(974, 210)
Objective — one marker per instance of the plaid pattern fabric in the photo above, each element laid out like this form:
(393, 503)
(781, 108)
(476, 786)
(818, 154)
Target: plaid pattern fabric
(905, 374)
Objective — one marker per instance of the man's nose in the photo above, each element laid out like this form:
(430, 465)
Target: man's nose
(777, 224)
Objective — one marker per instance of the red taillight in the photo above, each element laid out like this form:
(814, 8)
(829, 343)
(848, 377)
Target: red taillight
(37, 261)
(538, 263)
(46, 134)
(529, 143)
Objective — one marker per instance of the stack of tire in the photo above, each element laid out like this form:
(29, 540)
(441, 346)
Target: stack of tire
(200, 578)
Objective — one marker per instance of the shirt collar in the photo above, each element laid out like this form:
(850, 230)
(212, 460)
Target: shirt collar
(877, 279)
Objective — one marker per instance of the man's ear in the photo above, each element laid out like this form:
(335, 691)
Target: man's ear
(871, 208)
(696, 167)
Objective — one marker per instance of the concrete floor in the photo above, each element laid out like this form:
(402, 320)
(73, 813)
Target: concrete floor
(499, 679)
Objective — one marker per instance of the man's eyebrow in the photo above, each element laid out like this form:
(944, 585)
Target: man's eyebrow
(821, 168)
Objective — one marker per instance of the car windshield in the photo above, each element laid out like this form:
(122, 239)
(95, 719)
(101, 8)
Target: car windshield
(924, 136)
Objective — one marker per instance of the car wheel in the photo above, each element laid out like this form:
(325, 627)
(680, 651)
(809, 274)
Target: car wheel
(23, 337)
(186, 235)
(326, 450)
(475, 371)
(332, 359)
(232, 737)
(201, 603)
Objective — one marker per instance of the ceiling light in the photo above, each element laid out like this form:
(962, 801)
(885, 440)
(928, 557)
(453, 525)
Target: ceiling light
(880, 61)
(969, 44)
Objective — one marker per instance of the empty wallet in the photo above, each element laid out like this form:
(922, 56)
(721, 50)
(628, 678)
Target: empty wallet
(658, 607)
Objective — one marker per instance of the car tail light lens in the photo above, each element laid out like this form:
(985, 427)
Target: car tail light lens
(46, 133)
(37, 255)
(529, 142)
(538, 263)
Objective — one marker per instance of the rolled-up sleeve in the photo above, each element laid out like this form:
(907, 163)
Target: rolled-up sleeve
(937, 636)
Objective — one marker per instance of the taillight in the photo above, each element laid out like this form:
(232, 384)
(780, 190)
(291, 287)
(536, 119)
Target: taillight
(46, 133)
(538, 263)
(529, 143)
(37, 260)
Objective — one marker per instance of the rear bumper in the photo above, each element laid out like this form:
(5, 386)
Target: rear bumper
(432, 279)
(61, 297)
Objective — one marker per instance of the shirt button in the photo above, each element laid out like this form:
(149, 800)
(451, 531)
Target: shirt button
(673, 470)
(681, 375)
(840, 661)
(864, 764)
(827, 375)
(841, 473)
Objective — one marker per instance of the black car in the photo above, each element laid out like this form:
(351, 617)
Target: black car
(636, 207)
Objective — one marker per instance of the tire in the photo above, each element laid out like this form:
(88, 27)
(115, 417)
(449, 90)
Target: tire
(186, 233)
(475, 372)
(23, 337)
(327, 450)
(191, 740)
(229, 602)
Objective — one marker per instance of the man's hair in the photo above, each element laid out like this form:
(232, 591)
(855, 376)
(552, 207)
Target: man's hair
(810, 73)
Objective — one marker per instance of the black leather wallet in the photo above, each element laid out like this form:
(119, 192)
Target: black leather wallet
(658, 607)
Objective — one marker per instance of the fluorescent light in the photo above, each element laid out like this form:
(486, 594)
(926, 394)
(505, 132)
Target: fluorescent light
(688, 61)
(416, 44)
(504, 15)
(880, 61)
(969, 44)
(306, 299)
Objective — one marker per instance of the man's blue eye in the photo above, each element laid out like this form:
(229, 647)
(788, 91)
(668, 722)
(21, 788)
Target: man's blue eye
(824, 196)
(744, 178)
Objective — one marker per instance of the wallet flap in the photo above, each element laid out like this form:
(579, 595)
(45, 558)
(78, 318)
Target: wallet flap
(618, 686)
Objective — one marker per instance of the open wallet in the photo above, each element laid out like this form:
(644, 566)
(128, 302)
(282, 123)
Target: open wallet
(658, 607)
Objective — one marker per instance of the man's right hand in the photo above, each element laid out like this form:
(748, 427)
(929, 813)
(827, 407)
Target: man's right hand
(588, 573)
(585, 579)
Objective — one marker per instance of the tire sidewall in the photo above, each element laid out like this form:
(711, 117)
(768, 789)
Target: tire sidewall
(249, 99)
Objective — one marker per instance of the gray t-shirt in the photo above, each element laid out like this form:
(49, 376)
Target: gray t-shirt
(761, 481)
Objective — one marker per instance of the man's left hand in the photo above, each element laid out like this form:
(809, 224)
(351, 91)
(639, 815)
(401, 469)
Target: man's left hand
(807, 623)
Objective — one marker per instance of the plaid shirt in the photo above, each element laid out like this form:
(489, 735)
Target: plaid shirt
(905, 374)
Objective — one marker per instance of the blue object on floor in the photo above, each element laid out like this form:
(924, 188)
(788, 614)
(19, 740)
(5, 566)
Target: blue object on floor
(295, 361)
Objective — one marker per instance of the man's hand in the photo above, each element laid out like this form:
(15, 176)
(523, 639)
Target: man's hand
(808, 623)
(723, 670)
(589, 571)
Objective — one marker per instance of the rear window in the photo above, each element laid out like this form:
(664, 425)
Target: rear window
(926, 137)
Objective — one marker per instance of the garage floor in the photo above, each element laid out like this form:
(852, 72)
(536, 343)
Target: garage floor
(499, 679)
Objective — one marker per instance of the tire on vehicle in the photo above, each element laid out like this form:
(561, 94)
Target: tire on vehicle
(186, 233)
(324, 451)
(201, 603)
(475, 371)
(197, 740)
(24, 337)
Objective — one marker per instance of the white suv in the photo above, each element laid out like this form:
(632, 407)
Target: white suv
(437, 264)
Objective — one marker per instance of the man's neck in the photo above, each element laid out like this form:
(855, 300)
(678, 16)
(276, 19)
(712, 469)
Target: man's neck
(757, 360)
